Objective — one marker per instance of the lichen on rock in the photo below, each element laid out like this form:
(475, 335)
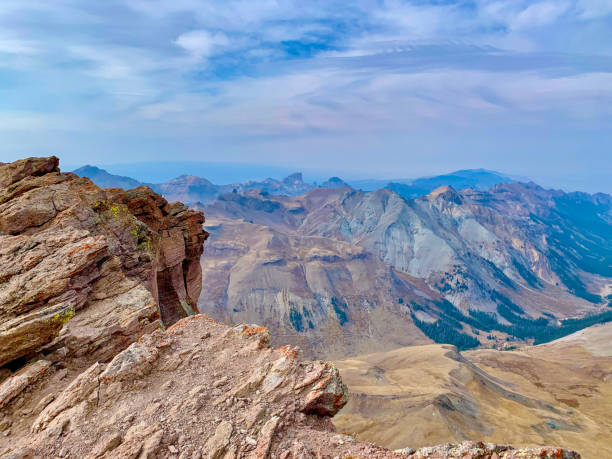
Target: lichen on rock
(70, 254)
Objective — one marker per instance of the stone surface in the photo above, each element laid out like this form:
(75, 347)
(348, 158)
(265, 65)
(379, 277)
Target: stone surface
(134, 407)
(216, 445)
(14, 385)
(89, 269)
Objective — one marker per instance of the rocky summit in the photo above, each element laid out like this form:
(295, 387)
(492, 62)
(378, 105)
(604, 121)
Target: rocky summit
(202, 389)
(85, 271)
(103, 354)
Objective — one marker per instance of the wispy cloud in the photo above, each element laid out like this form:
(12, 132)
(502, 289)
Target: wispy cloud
(538, 14)
(592, 9)
(17, 47)
(249, 72)
(200, 44)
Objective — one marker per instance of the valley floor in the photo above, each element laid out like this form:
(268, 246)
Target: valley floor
(556, 393)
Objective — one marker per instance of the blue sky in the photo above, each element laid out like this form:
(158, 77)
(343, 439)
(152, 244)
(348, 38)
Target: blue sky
(360, 89)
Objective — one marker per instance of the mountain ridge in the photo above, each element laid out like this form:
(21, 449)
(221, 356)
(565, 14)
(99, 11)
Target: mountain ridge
(181, 189)
(554, 392)
(495, 266)
(104, 179)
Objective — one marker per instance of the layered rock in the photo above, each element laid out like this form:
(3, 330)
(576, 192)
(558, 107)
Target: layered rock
(85, 271)
(205, 390)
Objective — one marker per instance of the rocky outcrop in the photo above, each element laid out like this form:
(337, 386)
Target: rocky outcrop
(479, 450)
(205, 390)
(85, 271)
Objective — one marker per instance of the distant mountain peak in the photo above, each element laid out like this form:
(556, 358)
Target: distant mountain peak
(442, 189)
(293, 179)
(104, 179)
(88, 169)
(477, 179)
(334, 182)
(187, 178)
(447, 193)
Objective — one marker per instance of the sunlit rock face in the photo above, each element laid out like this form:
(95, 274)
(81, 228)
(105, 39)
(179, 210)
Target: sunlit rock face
(87, 270)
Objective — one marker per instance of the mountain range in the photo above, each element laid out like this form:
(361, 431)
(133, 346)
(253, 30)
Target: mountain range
(192, 189)
(479, 179)
(104, 355)
(342, 272)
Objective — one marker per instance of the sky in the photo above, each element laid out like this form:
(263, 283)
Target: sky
(362, 89)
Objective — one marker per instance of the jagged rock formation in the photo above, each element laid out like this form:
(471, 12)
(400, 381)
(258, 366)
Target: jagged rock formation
(100, 265)
(292, 185)
(202, 389)
(194, 190)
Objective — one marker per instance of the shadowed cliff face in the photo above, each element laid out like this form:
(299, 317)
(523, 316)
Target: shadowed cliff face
(100, 265)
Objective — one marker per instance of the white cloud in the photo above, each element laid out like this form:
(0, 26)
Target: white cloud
(593, 9)
(156, 111)
(416, 21)
(201, 44)
(361, 79)
(356, 101)
(20, 47)
(539, 14)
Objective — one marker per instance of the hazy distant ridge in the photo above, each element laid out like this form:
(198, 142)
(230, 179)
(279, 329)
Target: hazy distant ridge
(192, 189)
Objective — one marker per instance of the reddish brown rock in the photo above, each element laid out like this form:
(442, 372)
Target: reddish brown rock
(134, 406)
(329, 394)
(87, 270)
(13, 386)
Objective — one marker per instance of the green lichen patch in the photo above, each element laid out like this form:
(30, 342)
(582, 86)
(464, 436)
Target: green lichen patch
(63, 317)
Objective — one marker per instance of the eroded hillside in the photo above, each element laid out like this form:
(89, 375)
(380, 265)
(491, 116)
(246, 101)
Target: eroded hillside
(559, 392)
(337, 267)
